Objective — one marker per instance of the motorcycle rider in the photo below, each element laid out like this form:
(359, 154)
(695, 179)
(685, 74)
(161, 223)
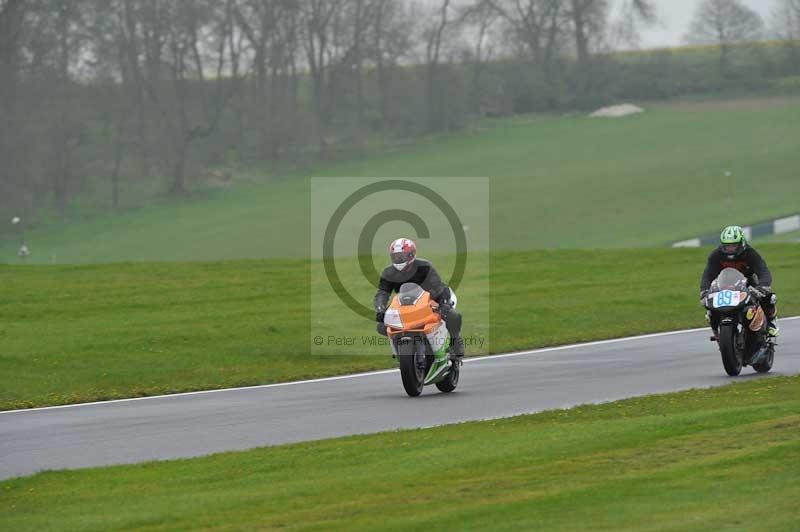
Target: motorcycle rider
(407, 268)
(734, 252)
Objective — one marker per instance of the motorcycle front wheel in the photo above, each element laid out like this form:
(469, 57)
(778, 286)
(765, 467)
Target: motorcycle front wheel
(411, 356)
(727, 348)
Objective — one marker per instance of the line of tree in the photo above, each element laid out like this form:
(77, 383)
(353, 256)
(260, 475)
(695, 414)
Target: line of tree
(116, 95)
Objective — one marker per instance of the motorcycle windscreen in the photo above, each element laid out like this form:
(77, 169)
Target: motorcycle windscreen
(730, 279)
(410, 293)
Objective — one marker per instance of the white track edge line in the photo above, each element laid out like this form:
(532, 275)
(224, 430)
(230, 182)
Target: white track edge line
(370, 373)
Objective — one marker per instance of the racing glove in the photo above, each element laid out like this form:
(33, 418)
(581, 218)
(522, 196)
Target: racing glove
(768, 294)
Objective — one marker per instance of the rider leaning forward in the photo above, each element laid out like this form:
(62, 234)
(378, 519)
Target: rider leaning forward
(735, 252)
(407, 268)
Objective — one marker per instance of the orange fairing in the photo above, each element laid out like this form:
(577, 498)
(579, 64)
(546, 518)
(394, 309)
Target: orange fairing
(417, 317)
(743, 296)
(758, 320)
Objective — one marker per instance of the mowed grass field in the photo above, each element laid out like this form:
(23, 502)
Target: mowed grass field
(563, 182)
(81, 333)
(788, 238)
(716, 459)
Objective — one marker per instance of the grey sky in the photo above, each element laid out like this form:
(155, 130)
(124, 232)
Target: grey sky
(675, 17)
(677, 14)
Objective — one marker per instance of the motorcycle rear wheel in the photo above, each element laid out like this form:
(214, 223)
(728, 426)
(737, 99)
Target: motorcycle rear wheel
(412, 366)
(727, 348)
(449, 383)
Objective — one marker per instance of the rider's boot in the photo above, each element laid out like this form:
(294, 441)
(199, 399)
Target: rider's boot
(772, 327)
(456, 348)
(771, 311)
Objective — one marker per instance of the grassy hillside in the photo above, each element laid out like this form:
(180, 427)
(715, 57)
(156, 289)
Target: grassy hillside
(786, 238)
(556, 182)
(81, 333)
(718, 459)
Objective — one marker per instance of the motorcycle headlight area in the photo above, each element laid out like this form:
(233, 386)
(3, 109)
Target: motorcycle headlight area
(392, 319)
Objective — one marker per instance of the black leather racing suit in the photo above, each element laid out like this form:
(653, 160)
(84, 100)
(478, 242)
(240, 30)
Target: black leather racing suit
(421, 272)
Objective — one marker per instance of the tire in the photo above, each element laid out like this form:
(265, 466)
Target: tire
(766, 365)
(727, 348)
(410, 359)
(449, 383)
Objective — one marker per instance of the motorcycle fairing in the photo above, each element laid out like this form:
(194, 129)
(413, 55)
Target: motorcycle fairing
(756, 317)
(412, 311)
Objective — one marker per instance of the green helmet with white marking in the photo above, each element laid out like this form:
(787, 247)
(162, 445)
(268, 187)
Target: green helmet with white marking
(732, 241)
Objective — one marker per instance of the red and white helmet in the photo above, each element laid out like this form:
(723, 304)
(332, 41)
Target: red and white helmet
(402, 251)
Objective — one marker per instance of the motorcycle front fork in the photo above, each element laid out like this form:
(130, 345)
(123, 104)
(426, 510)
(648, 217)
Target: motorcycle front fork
(714, 330)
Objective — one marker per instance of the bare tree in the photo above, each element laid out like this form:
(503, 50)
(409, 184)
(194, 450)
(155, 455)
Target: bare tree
(12, 13)
(434, 35)
(534, 23)
(633, 15)
(351, 34)
(348, 35)
(169, 46)
(482, 17)
(140, 43)
(391, 41)
(786, 26)
(786, 20)
(317, 17)
(186, 63)
(589, 19)
(105, 53)
(271, 29)
(724, 23)
(67, 22)
(538, 26)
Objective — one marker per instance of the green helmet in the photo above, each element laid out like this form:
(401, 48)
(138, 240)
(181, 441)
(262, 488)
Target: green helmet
(732, 241)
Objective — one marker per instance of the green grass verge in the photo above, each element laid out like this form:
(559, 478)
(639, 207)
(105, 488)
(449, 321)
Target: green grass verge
(717, 459)
(788, 238)
(646, 180)
(82, 333)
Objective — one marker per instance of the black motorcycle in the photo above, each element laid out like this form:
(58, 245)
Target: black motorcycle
(741, 325)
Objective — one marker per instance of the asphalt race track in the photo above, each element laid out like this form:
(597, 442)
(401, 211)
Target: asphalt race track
(502, 385)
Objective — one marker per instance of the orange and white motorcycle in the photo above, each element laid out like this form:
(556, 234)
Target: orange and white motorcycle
(742, 331)
(420, 341)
